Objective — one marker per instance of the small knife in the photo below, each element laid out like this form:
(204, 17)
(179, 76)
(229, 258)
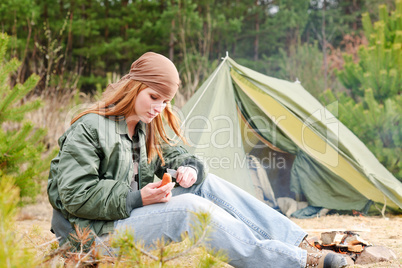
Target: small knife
(172, 172)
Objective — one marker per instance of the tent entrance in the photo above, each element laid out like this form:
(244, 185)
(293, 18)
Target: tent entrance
(277, 166)
(273, 161)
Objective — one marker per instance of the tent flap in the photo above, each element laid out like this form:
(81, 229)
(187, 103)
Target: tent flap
(321, 187)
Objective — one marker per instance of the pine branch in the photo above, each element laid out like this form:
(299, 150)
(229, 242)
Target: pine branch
(60, 251)
(103, 245)
(196, 244)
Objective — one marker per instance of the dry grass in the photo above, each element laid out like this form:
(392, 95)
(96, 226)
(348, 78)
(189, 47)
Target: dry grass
(56, 113)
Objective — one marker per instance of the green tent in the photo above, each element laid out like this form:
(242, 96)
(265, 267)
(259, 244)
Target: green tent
(304, 149)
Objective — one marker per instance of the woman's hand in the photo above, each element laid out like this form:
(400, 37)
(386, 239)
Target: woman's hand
(150, 194)
(186, 176)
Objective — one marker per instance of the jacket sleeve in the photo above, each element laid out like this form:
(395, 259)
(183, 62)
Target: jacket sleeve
(81, 190)
(177, 156)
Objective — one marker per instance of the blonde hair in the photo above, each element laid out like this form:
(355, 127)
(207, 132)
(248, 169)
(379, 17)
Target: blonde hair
(118, 101)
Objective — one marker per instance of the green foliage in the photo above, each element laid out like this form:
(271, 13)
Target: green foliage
(380, 63)
(267, 26)
(332, 21)
(13, 252)
(21, 146)
(96, 37)
(378, 125)
(373, 109)
(91, 80)
(9, 96)
(304, 63)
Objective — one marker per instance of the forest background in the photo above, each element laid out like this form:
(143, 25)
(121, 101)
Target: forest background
(57, 55)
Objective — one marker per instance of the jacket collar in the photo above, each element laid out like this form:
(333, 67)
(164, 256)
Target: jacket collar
(121, 127)
(141, 126)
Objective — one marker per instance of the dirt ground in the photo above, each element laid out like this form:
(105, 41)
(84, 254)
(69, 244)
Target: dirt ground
(34, 220)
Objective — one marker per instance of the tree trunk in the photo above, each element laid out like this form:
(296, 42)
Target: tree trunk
(124, 28)
(171, 41)
(257, 35)
(324, 46)
(21, 68)
(172, 36)
(106, 17)
(82, 38)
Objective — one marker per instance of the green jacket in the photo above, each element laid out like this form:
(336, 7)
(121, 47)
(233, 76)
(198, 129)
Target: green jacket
(89, 180)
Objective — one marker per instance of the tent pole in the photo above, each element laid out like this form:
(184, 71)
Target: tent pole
(227, 56)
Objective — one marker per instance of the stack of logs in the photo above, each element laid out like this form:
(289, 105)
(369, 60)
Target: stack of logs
(357, 250)
(346, 242)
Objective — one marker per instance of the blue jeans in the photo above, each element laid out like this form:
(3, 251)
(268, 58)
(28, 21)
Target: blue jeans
(251, 233)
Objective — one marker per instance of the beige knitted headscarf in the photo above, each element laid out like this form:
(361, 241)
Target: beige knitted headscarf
(154, 70)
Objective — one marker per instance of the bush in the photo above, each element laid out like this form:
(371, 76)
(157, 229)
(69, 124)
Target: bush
(373, 108)
(21, 144)
(13, 253)
(380, 63)
(376, 124)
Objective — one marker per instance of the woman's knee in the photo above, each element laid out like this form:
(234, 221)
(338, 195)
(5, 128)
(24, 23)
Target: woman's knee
(192, 202)
(196, 204)
(213, 180)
